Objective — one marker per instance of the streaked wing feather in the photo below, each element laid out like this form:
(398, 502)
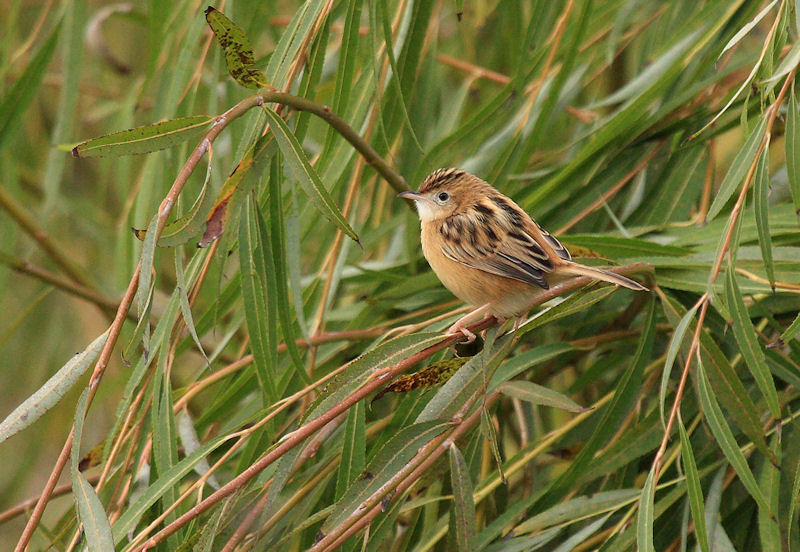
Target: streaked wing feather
(512, 253)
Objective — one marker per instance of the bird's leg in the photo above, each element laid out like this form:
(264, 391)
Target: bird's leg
(460, 327)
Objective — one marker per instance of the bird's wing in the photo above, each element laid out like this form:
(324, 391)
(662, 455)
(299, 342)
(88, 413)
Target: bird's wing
(498, 237)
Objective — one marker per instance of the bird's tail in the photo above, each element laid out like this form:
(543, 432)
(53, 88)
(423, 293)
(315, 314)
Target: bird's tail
(582, 270)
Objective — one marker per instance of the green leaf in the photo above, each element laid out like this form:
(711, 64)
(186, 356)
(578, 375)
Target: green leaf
(464, 521)
(644, 520)
(277, 265)
(302, 171)
(614, 247)
(793, 505)
(354, 449)
(792, 331)
(146, 285)
(96, 526)
(738, 169)
(726, 441)
(144, 139)
(490, 434)
(579, 508)
(19, 97)
(577, 302)
(793, 149)
(239, 54)
(537, 394)
(770, 480)
(694, 489)
(186, 308)
(257, 302)
(740, 34)
(749, 344)
(52, 391)
(761, 208)
(672, 353)
(90, 510)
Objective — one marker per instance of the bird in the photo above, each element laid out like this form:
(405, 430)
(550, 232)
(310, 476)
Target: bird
(488, 251)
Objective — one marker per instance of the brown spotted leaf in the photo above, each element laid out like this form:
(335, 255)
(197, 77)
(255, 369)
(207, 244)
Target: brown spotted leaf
(218, 217)
(239, 54)
(435, 374)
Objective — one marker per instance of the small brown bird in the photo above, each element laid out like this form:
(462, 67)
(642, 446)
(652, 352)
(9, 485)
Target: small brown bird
(488, 251)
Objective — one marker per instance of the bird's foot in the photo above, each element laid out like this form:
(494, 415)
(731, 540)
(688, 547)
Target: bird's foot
(460, 326)
(460, 329)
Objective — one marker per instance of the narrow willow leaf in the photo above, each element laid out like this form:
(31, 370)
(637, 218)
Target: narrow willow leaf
(793, 149)
(186, 308)
(672, 353)
(614, 247)
(579, 508)
(304, 173)
(19, 97)
(490, 434)
(789, 62)
(145, 139)
(353, 449)
(761, 207)
(749, 345)
(694, 489)
(792, 331)
(740, 34)
(726, 440)
(145, 289)
(96, 526)
(793, 505)
(256, 301)
(239, 54)
(71, 49)
(191, 442)
(738, 169)
(52, 391)
(770, 480)
(526, 360)
(273, 235)
(537, 394)
(644, 519)
(90, 510)
(466, 527)
(576, 302)
(395, 454)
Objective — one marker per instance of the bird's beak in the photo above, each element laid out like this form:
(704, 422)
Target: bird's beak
(410, 195)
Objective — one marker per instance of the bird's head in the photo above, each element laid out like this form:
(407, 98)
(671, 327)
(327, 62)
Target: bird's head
(446, 192)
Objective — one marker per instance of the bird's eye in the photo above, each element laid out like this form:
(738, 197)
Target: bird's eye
(443, 196)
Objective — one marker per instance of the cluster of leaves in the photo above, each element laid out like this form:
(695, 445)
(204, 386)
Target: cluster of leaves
(246, 385)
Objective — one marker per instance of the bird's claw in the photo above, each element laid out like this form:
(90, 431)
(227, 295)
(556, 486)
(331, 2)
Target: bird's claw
(455, 329)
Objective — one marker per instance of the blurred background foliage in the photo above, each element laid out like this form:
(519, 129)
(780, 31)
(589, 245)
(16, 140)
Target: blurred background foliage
(658, 132)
